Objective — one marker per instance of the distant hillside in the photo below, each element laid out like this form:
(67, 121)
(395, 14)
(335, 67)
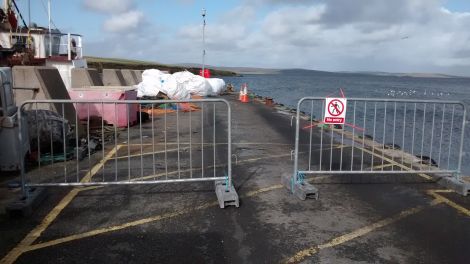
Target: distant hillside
(238, 70)
(113, 63)
(411, 74)
(306, 71)
(372, 73)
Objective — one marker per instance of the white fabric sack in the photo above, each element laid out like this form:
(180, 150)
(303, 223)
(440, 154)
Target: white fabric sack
(182, 76)
(155, 81)
(151, 73)
(177, 86)
(194, 84)
(148, 88)
(217, 85)
(151, 83)
(172, 89)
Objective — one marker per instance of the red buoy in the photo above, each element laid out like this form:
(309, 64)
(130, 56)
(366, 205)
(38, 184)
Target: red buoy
(205, 74)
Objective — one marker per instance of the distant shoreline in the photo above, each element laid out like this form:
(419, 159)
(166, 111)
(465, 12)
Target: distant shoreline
(413, 75)
(379, 74)
(100, 63)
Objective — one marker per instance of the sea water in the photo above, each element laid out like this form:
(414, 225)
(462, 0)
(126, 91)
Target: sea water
(288, 87)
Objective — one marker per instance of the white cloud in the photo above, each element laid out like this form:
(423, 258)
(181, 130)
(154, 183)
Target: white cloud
(122, 15)
(109, 6)
(282, 23)
(124, 22)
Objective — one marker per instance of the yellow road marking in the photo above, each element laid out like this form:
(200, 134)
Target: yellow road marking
(208, 167)
(301, 255)
(13, 255)
(334, 242)
(382, 166)
(450, 203)
(81, 189)
(147, 153)
(263, 190)
(119, 227)
(145, 220)
(442, 191)
(72, 194)
(185, 148)
(209, 144)
(425, 176)
(217, 166)
(99, 165)
(164, 216)
(296, 258)
(456, 206)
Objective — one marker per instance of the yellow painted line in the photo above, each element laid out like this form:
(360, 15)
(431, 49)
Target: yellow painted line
(159, 175)
(146, 220)
(433, 193)
(156, 218)
(442, 191)
(88, 188)
(450, 203)
(147, 153)
(209, 144)
(27, 246)
(303, 254)
(195, 145)
(119, 227)
(208, 167)
(314, 179)
(100, 164)
(263, 190)
(382, 166)
(300, 255)
(438, 199)
(425, 176)
(34, 234)
(13, 255)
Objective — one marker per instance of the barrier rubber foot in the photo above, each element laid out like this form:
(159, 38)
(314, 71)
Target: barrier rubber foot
(226, 195)
(24, 205)
(302, 190)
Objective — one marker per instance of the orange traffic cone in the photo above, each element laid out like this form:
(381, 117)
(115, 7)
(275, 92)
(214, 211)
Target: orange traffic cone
(245, 97)
(242, 91)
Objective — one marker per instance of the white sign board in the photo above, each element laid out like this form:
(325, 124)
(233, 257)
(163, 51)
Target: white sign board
(335, 111)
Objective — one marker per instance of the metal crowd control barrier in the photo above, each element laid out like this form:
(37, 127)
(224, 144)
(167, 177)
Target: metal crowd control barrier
(111, 143)
(380, 137)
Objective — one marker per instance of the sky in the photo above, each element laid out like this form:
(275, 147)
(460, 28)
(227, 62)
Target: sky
(429, 36)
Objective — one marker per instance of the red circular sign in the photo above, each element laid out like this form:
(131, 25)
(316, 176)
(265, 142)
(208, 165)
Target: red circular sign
(335, 107)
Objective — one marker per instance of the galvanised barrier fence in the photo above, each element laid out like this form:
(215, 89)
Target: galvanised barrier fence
(128, 142)
(379, 136)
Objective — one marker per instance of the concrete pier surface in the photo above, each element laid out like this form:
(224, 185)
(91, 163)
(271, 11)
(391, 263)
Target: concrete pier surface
(358, 218)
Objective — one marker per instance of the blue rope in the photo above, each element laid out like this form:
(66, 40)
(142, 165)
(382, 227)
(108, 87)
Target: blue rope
(292, 184)
(226, 181)
(296, 180)
(300, 177)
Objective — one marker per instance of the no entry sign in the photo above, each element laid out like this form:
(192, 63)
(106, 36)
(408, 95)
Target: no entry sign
(335, 111)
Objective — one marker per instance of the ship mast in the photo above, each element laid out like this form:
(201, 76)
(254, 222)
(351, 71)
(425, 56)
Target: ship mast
(29, 13)
(203, 39)
(50, 33)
